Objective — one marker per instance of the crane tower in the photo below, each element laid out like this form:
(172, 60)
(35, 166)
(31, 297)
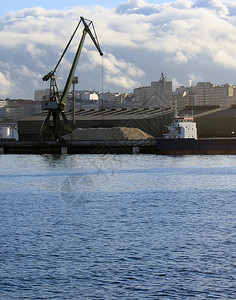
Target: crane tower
(57, 103)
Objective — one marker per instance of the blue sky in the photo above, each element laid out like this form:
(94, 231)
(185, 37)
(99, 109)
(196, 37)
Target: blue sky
(13, 5)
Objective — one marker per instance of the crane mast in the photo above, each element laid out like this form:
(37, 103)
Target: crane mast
(57, 103)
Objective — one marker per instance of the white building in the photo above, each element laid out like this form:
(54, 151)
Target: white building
(89, 96)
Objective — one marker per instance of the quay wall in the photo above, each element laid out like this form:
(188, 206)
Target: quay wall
(78, 147)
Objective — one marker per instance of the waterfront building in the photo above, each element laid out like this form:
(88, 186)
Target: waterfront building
(3, 109)
(40, 94)
(19, 109)
(212, 94)
(157, 95)
(111, 100)
(206, 93)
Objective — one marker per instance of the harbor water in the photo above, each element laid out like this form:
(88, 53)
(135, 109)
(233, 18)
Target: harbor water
(117, 227)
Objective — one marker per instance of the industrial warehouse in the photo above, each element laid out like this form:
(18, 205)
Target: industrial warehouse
(212, 121)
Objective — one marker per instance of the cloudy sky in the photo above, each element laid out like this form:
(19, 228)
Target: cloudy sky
(186, 40)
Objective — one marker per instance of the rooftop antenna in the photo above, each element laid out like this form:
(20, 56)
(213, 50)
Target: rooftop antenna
(176, 109)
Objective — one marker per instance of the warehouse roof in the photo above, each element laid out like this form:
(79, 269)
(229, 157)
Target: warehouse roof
(106, 114)
(213, 111)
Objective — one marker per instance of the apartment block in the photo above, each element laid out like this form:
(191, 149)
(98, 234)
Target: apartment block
(206, 93)
(212, 94)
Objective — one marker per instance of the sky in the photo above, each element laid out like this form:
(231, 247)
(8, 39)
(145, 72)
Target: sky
(186, 40)
(13, 5)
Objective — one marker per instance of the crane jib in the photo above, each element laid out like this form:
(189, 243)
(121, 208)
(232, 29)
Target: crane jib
(72, 70)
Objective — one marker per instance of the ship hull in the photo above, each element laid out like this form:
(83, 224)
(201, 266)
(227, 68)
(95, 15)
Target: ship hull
(196, 146)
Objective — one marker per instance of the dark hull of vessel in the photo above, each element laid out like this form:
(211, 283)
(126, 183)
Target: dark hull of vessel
(199, 146)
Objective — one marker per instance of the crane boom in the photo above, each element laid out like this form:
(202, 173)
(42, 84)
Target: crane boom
(56, 104)
(76, 59)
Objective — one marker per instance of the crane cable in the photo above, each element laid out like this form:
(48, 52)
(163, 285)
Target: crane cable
(102, 73)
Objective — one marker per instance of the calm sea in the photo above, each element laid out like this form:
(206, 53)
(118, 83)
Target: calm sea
(117, 227)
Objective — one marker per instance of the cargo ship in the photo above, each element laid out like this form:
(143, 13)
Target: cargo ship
(180, 138)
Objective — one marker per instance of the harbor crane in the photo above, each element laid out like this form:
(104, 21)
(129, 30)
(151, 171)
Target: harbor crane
(57, 103)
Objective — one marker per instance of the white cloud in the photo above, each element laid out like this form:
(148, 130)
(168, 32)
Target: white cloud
(175, 83)
(218, 6)
(231, 5)
(35, 51)
(5, 84)
(137, 7)
(139, 40)
(121, 72)
(194, 78)
(180, 57)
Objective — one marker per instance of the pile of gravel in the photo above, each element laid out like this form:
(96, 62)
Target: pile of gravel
(114, 133)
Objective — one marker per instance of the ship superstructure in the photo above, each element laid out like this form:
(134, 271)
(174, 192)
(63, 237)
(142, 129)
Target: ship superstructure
(183, 127)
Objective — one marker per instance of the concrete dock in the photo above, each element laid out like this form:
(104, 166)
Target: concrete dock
(79, 147)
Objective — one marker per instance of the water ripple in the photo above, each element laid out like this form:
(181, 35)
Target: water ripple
(129, 227)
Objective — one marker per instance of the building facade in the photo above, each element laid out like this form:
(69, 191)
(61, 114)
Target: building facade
(3, 109)
(157, 95)
(206, 93)
(212, 94)
(19, 109)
